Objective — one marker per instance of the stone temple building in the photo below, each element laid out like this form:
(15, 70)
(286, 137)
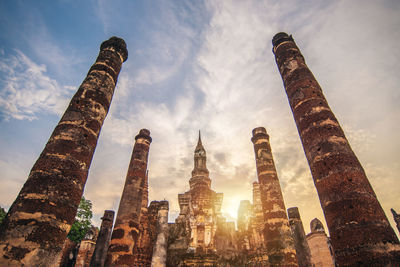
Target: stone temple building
(197, 233)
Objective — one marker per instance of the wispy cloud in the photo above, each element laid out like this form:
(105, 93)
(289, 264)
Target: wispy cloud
(27, 90)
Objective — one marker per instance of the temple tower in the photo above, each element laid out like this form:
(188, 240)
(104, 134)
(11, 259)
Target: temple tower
(38, 221)
(359, 229)
(204, 204)
(103, 239)
(278, 238)
(125, 235)
(200, 209)
(303, 253)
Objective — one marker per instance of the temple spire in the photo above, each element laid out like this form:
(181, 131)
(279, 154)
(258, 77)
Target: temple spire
(199, 143)
(200, 158)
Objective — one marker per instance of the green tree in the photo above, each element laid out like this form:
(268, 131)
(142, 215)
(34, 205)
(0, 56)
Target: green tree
(2, 214)
(82, 222)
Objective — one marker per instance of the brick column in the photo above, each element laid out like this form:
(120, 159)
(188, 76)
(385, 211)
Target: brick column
(303, 253)
(38, 221)
(160, 248)
(360, 231)
(278, 238)
(103, 239)
(125, 235)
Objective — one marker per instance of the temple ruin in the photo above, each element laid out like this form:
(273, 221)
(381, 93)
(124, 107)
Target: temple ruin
(320, 246)
(36, 226)
(194, 235)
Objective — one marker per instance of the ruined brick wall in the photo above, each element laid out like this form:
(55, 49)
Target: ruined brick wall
(85, 253)
(125, 235)
(68, 250)
(360, 231)
(279, 245)
(318, 242)
(38, 221)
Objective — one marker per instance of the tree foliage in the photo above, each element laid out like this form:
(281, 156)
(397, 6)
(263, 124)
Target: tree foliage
(82, 222)
(3, 214)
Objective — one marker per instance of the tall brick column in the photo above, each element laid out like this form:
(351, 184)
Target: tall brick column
(160, 248)
(277, 236)
(103, 239)
(300, 242)
(38, 221)
(125, 235)
(360, 231)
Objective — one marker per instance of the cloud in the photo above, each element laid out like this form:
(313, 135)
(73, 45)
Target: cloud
(27, 90)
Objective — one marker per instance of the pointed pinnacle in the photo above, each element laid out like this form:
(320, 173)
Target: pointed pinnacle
(199, 142)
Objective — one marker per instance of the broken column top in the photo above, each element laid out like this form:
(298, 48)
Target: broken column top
(316, 226)
(259, 132)
(108, 215)
(280, 38)
(116, 44)
(293, 213)
(164, 205)
(144, 133)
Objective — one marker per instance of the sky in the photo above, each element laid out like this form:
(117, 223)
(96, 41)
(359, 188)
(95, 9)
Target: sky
(201, 65)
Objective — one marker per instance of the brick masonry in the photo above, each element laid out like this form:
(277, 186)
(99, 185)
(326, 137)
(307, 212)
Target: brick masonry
(278, 239)
(125, 236)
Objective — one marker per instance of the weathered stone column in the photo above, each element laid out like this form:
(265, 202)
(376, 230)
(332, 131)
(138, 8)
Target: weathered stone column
(103, 239)
(303, 253)
(360, 231)
(277, 236)
(38, 221)
(125, 235)
(160, 248)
